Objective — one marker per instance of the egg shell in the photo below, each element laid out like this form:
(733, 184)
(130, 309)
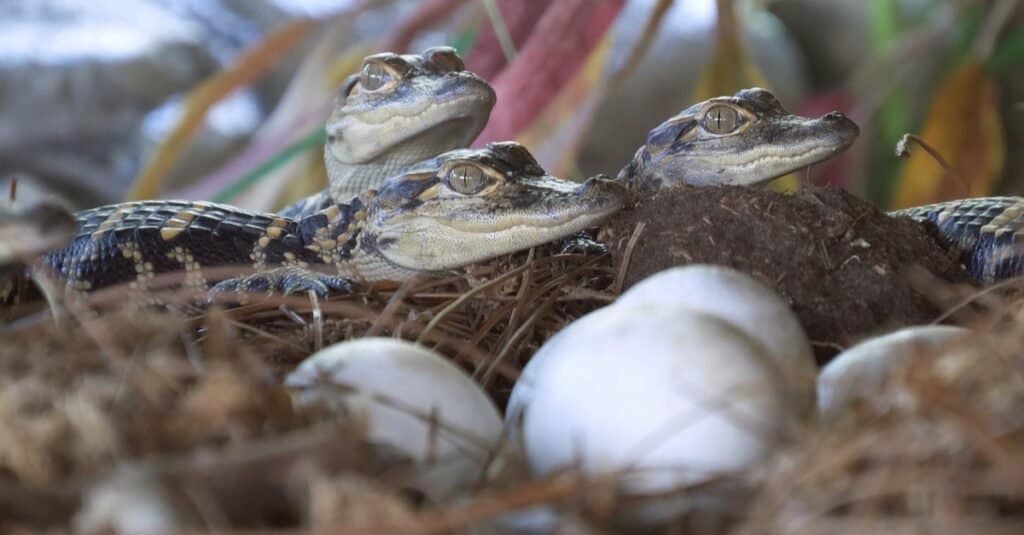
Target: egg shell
(860, 371)
(396, 384)
(740, 299)
(673, 395)
(129, 500)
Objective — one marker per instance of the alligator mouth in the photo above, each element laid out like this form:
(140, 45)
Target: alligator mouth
(571, 219)
(586, 206)
(457, 122)
(429, 243)
(840, 139)
(425, 129)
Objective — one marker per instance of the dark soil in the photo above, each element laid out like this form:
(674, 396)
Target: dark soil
(837, 260)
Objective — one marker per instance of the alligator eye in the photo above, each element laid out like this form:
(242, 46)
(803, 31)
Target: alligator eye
(444, 58)
(374, 76)
(466, 179)
(721, 119)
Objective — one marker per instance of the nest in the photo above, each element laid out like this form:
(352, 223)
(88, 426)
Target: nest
(939, 450)
(181, 414)
(124, 403)
(840, 263)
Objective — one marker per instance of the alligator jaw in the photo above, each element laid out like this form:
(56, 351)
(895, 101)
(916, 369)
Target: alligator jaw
(421, 225)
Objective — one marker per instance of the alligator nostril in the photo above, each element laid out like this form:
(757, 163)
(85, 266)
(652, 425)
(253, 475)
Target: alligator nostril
(601, 184)
(834, 116)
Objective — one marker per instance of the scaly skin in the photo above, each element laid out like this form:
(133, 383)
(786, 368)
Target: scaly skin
(458, 208)
(987, 232)
(765, 141)
(399, 110)
(745, 139)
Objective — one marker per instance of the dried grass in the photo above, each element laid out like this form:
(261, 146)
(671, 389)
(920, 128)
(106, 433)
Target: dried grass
(134, 407)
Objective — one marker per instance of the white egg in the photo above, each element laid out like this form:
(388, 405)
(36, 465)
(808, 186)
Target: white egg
(740, 299)
(671, 395)
(129, 500)
(399, 386)
(860, 371)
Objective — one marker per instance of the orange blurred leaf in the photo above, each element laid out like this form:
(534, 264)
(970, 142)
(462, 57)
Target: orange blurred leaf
(964, 126)
(250, 65)
(731, 67)
(304, 105)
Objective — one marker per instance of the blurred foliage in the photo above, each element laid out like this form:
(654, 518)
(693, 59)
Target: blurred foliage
(249, 67)
(552, 109)
(963, 123)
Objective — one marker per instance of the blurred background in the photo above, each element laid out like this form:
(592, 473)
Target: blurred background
(225, 100)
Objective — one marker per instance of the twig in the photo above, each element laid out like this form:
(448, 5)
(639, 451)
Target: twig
(976, 295)
(997, 18)
(318, 321)
(903, 151)
(391, 307)
(508, 47)
(627, 257)
(462, 299)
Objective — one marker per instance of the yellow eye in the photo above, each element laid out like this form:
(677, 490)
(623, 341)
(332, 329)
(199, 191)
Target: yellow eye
(466, 179)
(721, 119)
(374, 76)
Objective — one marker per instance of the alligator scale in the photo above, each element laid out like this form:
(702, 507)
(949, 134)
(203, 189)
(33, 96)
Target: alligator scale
(404, 199)
(461, 207)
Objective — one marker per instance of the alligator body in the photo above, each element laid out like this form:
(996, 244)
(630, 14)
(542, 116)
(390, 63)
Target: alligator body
(458, 208)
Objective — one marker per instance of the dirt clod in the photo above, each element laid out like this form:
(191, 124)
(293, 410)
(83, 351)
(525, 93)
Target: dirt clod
(837, 260)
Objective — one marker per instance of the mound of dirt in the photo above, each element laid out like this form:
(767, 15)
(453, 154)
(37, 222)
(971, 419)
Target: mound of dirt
(837, 260)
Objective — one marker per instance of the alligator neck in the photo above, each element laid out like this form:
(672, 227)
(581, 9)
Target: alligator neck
(634, 175)
(348, 181)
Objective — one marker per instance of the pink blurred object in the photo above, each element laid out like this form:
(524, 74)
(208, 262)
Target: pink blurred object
(553, 52)
(487, 58)
(428, 13)
(836, 171)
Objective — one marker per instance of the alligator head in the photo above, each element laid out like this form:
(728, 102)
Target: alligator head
(471, 205)
(745, 139)
(401, 109)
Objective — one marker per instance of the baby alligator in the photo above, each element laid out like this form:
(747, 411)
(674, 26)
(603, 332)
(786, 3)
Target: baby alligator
(398, 110)
(987, 232)
(458, 208)
(750, 139)
(453, 210)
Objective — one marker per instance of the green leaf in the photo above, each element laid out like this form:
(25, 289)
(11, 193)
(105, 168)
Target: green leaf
(314, 139)
(1009, 53)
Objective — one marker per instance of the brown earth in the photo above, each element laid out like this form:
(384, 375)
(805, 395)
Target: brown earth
(838, 261)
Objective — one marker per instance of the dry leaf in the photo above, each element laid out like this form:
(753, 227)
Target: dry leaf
(964, 126)
(731, 67)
